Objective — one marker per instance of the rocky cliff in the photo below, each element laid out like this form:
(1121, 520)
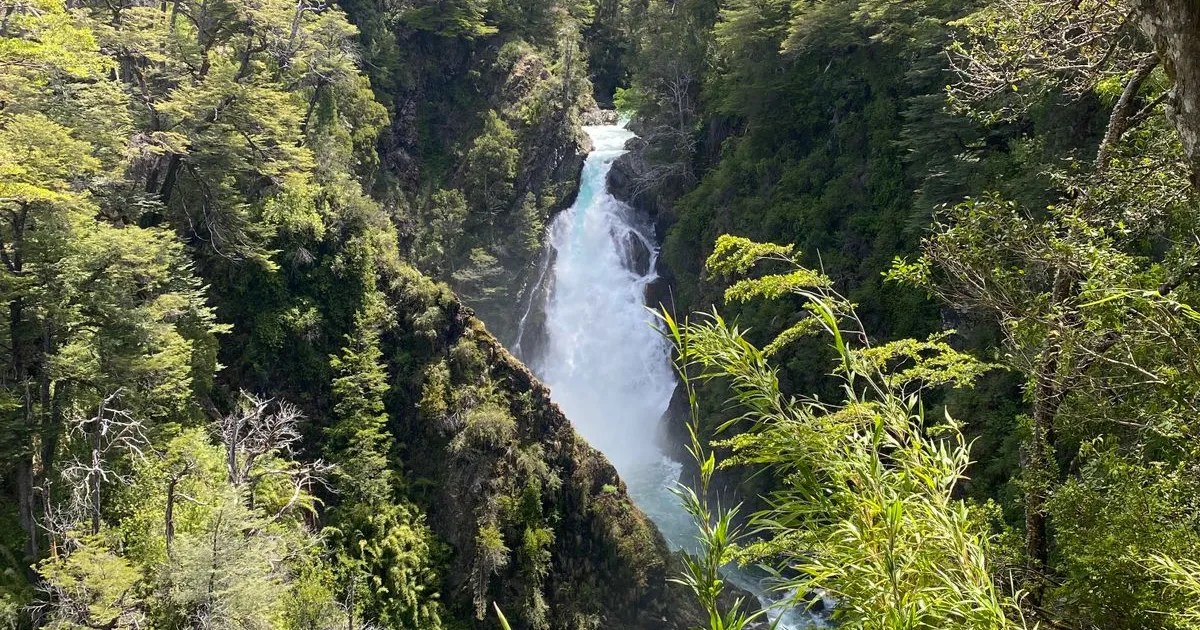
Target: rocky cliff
(534, 518)
(484, 143)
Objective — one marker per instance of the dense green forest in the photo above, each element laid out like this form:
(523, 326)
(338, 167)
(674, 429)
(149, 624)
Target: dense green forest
(241, 390)
(1013, 179)
(230, 399)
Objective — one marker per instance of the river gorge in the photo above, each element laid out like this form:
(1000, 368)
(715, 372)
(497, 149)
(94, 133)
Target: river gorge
(587, 332)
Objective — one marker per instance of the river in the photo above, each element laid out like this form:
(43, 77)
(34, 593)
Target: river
(606, 364)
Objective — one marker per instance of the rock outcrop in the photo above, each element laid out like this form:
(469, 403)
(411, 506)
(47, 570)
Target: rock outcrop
(534, 518)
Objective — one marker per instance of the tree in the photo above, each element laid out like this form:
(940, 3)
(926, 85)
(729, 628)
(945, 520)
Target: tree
(91, 586)
(450, 18)
(1078, 45)
(225, 93)
(383, 547)
(223, 576)
(211, 559)
(672, 48)
(259, 437)
(490, 166)
(359, 442)
(384, 556)
(112, 432)
(94, 306)
(1049, 277)
(444, 217)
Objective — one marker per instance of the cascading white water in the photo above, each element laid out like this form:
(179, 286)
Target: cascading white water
(606, 366)
(604, 361)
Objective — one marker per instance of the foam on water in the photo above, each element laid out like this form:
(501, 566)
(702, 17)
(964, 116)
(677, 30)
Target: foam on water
(606, 364)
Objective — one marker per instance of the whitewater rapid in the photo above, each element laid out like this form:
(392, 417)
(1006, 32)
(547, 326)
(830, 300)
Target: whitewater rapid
(607, 365)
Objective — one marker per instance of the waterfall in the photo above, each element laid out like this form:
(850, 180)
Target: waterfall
(606, 364)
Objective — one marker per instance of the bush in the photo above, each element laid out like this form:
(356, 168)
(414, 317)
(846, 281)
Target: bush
(488, 426)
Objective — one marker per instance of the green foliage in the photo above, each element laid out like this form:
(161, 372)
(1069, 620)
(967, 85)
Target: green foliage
(191, 466)
(1085, 305)
(384, 552)
(91, 587)
(225, 578)
(444, 219)
(1182, 577)
(491, 555)
(312, 602)
(480, 273)
(487, 96)
(928, 363)
(627, 101)
(386, 560)
(358, 441)
(793, 123)
(188, 546)
(435, 391)
(1011, 160)
(717, 534)
(189, 198)
(530, 227)
(1122, 574)
(500, 615)
(462, 18)
(487, 427)
(199, 198)
(866, 507)
(162, 164)
(491, 165)
(98, 311)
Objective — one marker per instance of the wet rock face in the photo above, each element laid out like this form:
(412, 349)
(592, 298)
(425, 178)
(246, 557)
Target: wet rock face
(529, 340)
(636, 254)
(623, 179)
(600, 117)
(625, 183)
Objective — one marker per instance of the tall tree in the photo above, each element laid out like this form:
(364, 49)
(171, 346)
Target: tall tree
(1072, 286)
(94, 306)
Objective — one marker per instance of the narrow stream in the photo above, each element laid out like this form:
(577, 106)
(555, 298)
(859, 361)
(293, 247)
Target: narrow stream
(605, 363)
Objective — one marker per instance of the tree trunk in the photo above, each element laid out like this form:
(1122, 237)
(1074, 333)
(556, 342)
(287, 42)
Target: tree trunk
(172, 175)
(169, 517)
(1039, 473)
(1040, 470)
(94, 478)
(1123, 111)
(49, 424)
(26, 507)
(23, 354)
(1174, 27)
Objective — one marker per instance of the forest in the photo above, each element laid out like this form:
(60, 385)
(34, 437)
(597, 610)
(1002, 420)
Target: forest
(929, 272)
(990, 207)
